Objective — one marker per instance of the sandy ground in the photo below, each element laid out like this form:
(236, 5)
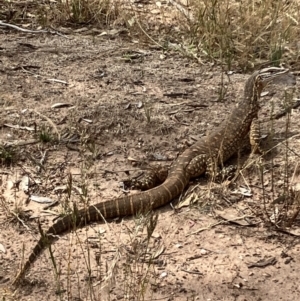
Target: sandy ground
(117, 106)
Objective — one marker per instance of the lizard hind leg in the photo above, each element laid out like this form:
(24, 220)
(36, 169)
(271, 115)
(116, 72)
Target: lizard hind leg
(150, 179)
(219, 174)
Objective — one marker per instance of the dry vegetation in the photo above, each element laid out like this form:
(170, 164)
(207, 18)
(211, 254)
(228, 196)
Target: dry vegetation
(73, 153)
(245, 33)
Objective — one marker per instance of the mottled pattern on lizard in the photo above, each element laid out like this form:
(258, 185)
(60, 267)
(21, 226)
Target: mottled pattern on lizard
(223, 142)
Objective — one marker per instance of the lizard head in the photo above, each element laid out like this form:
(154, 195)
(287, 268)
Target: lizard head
(266, 76)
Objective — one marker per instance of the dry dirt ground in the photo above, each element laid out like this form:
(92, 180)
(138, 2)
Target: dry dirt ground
(122, 104)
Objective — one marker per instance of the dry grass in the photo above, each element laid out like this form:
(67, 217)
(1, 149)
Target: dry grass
(132, 264)
(245, 32)
(232, 33)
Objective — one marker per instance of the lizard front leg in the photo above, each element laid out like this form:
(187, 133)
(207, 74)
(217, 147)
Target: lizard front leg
(255, 137)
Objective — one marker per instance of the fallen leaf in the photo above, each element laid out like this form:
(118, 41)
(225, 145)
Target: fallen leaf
(294, 231)
(158, 252)
(263, 263)
(2, 249)
(87, 120)
(60, 105)
(264, 93)
(24, 184)
(27, 128)
(187, 201)
(163, 275)
(232, 216)
(40, 199)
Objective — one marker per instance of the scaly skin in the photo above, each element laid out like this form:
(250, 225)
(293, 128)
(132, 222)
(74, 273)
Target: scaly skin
(216, 148)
